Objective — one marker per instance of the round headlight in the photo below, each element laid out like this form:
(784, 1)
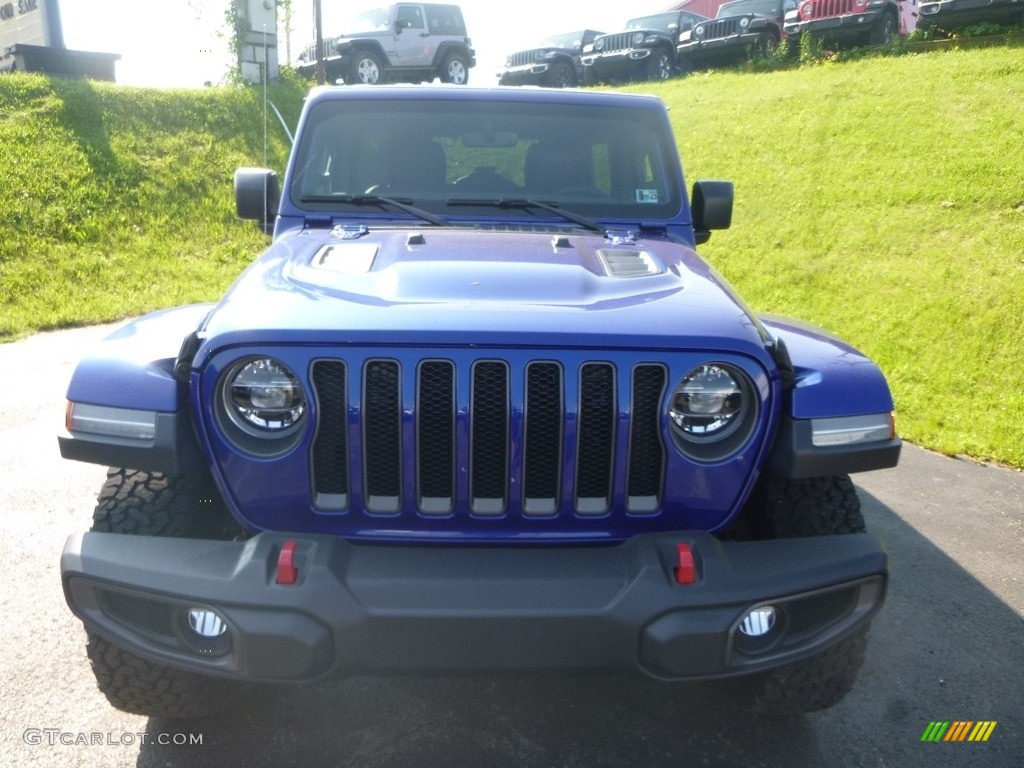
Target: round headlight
(711, 404)
(744, 22)
(263, 397)
(638, 37)
(698, 31)
(539, 56)
(599, 44)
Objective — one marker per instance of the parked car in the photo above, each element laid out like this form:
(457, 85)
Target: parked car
(853, 22)
(646, 50)
(957, 14)
(555, 61)
(404, 42)
(739, 30)
(480, 407)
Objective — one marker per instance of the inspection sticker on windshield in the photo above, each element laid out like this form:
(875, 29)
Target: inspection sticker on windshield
(647, 195)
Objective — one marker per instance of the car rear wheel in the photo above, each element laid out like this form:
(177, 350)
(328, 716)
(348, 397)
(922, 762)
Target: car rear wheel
(455, 69)
(154, 504)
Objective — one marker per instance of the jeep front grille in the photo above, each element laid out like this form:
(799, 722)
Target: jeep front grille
(622, 41)
(721, 28)
(524, 58)
(490, 439)
(822, 9)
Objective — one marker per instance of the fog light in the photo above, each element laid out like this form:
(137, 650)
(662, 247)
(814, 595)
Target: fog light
(206, 623)
(761, 628)
(758, 622)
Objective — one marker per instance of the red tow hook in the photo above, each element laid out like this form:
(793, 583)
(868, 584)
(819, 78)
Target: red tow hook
(287, 573)
(686, 571)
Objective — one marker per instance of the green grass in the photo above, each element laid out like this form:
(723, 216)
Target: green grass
(117, 200)
(882, 198)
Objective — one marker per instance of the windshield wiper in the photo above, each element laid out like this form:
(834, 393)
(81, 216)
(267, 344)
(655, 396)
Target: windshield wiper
(506, 202)
(402, 204)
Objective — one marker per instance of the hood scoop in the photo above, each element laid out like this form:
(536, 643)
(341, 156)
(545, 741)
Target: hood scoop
(629, 263)
(346, 258)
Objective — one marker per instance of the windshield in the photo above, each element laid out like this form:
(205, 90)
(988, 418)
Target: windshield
(664, 22)
(438, 155)
(567, 40)
(761, 7)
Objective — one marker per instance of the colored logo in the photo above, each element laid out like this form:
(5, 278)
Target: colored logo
(958, 730)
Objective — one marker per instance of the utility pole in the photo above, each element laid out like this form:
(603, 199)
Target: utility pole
(321, 74)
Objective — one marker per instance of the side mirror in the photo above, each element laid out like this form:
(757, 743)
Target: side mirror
(401, 24)
(257, 196)
(711, 207)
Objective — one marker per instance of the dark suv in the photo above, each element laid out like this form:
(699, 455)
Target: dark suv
(404, 42)
(741, 29)
(646, 50)
(554, 62)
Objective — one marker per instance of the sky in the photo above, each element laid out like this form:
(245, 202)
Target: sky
(183, 44)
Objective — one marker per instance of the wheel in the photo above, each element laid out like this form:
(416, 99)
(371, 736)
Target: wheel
(366, 69)
(154, 504)
(659, 65)
(765, 46)
(562, 75)
(455, 69)
(885, 32)
(818, 506)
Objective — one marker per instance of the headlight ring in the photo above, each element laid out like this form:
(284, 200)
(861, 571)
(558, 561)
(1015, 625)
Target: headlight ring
(262, 404)
(713, 411)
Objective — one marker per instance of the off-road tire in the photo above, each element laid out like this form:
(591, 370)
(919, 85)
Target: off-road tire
(154, 504)
(818, 683)
(562, 75)
(886, 30)
(660, 65)
(817, 506)
(454, 69)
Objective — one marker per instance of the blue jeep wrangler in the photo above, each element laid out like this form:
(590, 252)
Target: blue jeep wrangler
(480, 407)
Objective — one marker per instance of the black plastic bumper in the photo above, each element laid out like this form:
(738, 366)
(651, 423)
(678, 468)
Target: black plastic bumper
(385, 609)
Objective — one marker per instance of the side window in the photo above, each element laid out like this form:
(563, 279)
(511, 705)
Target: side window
(410, 17)
(446, 20)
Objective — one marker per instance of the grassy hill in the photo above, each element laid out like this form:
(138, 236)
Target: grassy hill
(880, 198)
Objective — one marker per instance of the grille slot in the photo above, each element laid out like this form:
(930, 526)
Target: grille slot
(382, 430)
(489, 416)
(330, 446)
(462, 425)
(435, 435)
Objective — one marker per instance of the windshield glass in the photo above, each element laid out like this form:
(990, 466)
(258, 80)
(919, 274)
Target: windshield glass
(567, 40)
(664, 22)
(740, 7)
(438, 154)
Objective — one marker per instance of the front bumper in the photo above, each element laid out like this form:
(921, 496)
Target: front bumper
(365, 609)
(617, 64)
(719, 45)
(530, 74)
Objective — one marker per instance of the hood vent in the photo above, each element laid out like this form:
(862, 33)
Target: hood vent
(629, 263)
(349, 259)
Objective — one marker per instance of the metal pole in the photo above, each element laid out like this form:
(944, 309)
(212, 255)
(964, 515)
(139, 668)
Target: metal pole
(321, 74)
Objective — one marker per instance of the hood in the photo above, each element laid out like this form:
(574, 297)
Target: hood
(471, 287)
